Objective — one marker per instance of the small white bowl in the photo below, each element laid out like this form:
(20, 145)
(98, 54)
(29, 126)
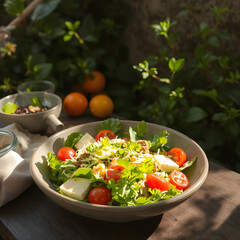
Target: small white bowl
(35, 122)
(196, 175)
(36, 86)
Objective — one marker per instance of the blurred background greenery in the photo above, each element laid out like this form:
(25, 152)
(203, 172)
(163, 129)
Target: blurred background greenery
(190, 86)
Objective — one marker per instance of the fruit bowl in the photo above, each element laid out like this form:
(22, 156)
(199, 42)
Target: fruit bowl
(196, 174)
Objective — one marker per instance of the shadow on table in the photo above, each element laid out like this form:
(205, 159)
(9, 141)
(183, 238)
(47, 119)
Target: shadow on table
(211, 216)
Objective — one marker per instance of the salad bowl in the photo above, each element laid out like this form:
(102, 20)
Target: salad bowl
(196, 174)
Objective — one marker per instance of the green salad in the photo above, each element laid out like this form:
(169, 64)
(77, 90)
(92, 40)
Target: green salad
(119, 170)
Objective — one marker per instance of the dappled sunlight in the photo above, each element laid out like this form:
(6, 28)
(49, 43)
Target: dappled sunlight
(206, 209)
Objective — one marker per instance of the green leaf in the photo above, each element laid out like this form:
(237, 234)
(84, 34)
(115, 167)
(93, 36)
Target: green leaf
(188, 164)
(83, 173)
(44, 9)
(158, 141)
(141, 129)
(210, 94)
(42, 71)
(220, 117)
(145, 75)
(112, 124)
(72, 139)
(165, 80)
(36, 101)
(76, 25)
(176, 65)
(67, 37)
(195, 114)
(69, 25)
(9, 108)
(14, 7)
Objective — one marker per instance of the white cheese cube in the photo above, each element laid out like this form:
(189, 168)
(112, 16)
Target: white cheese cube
(76, 188)
(165, 163)
(84, 141)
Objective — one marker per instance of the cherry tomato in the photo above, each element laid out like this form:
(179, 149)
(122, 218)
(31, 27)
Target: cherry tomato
(105, 133)
(101, 106)
(126, 138)
(114, 172)
(177, 155)
(154, 181)
(179, 179)
(95, 83)
(75, 104)
(65, 153)
(100, 195)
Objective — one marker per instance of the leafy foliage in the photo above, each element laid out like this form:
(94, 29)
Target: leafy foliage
(14, 7)
(199, 96)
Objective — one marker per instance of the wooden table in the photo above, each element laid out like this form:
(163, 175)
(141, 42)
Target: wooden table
(211, 213)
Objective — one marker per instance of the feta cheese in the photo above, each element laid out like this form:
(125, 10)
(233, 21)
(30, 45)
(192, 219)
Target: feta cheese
(76, 188)
(85, 140)
(165, 163)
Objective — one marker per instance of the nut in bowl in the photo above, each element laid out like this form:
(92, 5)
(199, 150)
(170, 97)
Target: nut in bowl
(153, 202)
(36, 120)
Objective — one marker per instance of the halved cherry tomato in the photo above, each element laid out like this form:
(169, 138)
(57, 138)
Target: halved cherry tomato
(100, 195)
(105, 133)
(65, 153)
(179, 179)
(114, 172)
(177, 155)
(154, 181)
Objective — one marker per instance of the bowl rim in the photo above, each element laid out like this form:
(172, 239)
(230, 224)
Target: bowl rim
(50, 84)
(173, 200)
(10, 146)
(28, 93)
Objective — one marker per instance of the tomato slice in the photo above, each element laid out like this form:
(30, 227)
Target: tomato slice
(179, 179)
(105, 133)
(154, 181)
(65, 153)
(177, 155)
(100, 195)
(114, 172)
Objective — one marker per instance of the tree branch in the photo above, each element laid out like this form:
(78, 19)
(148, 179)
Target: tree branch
(4, 31)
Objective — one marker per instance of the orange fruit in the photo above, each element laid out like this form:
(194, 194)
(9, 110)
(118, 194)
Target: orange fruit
(95, 83)
(75, 104)
(101, 106)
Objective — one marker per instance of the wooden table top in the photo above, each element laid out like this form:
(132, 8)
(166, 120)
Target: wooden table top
(211, 213)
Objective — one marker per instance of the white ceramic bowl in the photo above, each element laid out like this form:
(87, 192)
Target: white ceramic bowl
(196, 175)
(35, 122)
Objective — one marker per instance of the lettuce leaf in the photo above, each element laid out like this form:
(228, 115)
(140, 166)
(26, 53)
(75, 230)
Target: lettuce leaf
(9, 108)
(112, 124)
(157, 195)
(158, 141)
(138, 131)
(188, 164)
(72, 139)
(60, 171)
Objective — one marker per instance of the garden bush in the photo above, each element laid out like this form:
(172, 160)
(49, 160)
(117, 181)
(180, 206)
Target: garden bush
(195, 89)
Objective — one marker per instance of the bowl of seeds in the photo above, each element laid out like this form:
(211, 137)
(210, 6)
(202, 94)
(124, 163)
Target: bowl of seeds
(34, 111)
